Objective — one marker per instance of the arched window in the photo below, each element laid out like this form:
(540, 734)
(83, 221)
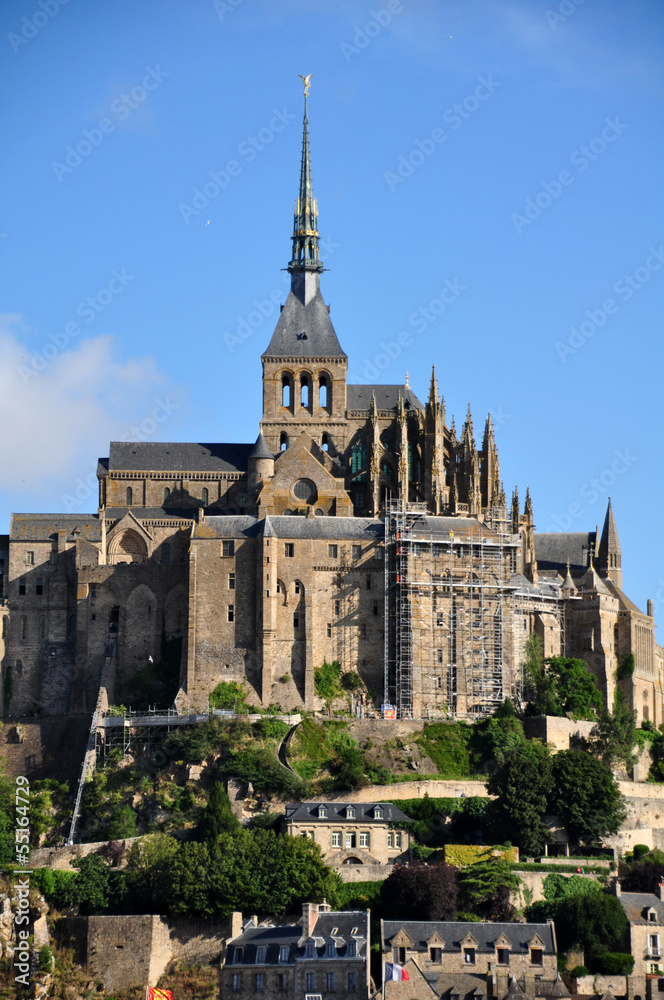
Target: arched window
(325, 442)
(387, 471)
(205, 496)
(358, 457)
(387, 442)
(304, 391)
(167, 494)
(322, 391)
(283, 441)
(285, 390)
(24, 627)
(129, 496)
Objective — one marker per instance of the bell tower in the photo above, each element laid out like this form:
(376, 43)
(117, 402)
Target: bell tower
(304, 367)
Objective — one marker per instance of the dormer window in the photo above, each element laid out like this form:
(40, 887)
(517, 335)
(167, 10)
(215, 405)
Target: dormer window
(310, 951)
(651, 915)
(238, 954)
(350, 812)
(378, 812)
(351, 949)
(469, 956)
(322, 812)
(503, 956)
(260, 954)
(536, 956)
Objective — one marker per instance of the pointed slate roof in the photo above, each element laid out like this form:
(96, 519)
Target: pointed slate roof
(304, 331)
(260, 449)
(609, 542)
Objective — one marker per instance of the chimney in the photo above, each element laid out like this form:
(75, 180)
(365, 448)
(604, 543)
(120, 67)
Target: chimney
(650, 609)
(309, 918)
(658, 890)
(236, 924)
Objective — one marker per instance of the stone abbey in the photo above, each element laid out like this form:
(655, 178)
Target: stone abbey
(358, 527)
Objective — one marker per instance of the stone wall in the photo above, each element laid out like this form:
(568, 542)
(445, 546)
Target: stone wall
(435, 789)
(364, 873)
(556, 731)
(587, 985)
(63, 857)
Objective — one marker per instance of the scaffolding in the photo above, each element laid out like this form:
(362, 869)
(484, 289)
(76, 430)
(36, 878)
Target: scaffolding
(448, 597)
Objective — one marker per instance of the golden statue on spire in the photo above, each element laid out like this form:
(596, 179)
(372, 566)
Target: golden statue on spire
(305, 81)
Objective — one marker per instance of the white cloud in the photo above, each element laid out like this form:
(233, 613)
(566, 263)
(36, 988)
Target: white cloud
(57, 421)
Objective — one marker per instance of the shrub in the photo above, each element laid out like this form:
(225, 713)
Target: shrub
(640, 851)
(351, 681)
(45, 959)
(614, 963)
(230, 695)
(578, 971)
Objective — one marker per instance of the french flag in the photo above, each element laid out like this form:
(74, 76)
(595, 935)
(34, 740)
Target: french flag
(395, 972)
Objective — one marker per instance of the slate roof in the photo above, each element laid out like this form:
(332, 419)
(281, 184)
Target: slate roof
(43, 527)
(617, 592)
(636, 903)
(334, 528)
(260, 449)
(304, 331)
(358, 397)
(462, 984)
(307, 812)
(169, 456)
(152, 513)
(273, 938)
(552, 550)
(485, 933)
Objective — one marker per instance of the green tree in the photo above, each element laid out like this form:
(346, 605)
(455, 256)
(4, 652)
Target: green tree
(327, 682)
(230, 695)
(577, 691)
(148, 871)
(586, 796)
(592, 922)
(484, 889)
(523, 784)
(190, 876)
(122, 824)
(613, 738)
(218, 816)
(420, 892)
(93, 884)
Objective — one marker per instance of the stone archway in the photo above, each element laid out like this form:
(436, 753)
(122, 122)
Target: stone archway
(127, 547)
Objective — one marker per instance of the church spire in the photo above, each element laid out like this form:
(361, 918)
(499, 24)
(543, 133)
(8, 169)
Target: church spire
(305, 220)
(609, 556)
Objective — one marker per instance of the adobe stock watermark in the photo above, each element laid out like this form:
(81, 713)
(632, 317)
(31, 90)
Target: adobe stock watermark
(265, 307)
(420, 320)
(248, 149)
(625, 288)
(223, 7)
(31, 26)
(362, 37)
(580, 159)
(88, 310)
(454, 116)
(593, 490)
(563, 11)
(121, 107)
(84, 490)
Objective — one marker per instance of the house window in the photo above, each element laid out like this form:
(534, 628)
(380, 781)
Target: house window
(282, 981)
(311, 982)
(296, 620)
(332, 551)
(399, 956)
(503, 956)
(167, 494)
(129, 496)
(390, 840)
(352, 980)
(329, 980)
(337, 607)
(260, 954)
(238, 954)
(536, 956)
(653, 944)
(298, 587)
(231, 612)
(469, 956)
(364, 840)
(357, 552)
(231, 581)
(260, 982)
(289, 549)
(368, 583)
(237, 981)
(322, 812)
(284, 952)
(329, 630)
(205, 496)
(351, 840)
(311, 950)
(29, 558)
(331, 950)
(436, 955)
(39, 587)
(350, 812)
(336, 840)
(228, 548)
(375, 609)
(363, 631)
(394, 840)
(351, 949)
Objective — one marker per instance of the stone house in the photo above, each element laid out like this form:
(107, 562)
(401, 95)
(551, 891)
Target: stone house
(357, 833)
(645, 912)
(327, 952)
(471, 960)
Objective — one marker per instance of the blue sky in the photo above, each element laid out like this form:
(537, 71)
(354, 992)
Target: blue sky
(512, 150)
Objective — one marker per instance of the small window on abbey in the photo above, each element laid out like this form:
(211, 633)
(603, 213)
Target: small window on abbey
(129, 496)
(283, 441)
(205, 496)
(322, 392)
(167, 494)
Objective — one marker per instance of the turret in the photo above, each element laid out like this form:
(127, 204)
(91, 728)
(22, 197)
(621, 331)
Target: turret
(260, 464)
(609, 556)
